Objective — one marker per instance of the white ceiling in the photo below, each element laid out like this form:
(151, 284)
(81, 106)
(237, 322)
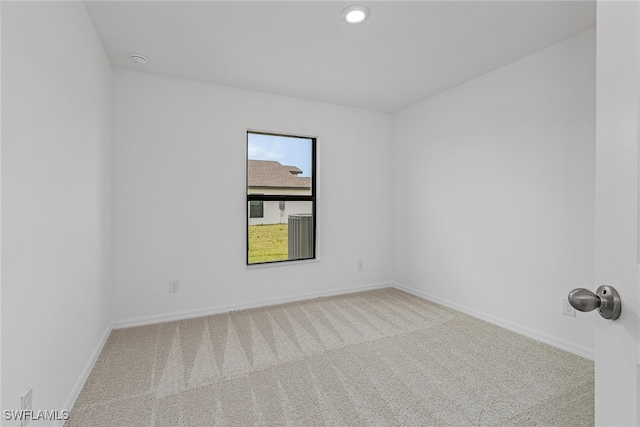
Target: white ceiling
(405, 51)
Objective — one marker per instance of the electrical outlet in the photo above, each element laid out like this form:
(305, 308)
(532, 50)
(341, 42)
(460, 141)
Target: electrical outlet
(567, 309)
(26, 404)
(360, 265)
(174, 286)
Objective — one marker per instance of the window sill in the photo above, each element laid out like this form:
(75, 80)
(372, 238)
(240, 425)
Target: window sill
(282, 263)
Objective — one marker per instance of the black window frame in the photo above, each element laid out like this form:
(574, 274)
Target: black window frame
(272, 197)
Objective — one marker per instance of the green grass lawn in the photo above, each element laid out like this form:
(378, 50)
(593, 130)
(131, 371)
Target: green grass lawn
(268, 243)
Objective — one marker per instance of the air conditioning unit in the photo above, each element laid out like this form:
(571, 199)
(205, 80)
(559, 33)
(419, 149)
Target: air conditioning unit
(300, 236)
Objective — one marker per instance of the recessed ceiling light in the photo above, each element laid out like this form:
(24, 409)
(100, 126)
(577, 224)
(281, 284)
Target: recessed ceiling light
(355, 14)
(138, 59)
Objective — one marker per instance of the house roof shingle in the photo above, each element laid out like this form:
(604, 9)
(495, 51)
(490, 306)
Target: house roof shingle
(269, 173)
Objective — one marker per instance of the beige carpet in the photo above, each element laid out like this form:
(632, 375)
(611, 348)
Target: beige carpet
(376, 358)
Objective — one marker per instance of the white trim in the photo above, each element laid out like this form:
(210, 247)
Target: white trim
(189, 314)
(638, 384)
(283, 262)
(71, 400)
(562, 344)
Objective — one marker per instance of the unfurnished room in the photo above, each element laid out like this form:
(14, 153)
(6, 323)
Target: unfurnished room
(309, 213)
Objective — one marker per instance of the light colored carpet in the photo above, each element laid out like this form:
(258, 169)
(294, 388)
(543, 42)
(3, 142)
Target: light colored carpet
(376, 358)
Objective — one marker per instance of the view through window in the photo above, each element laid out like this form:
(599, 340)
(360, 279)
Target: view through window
(281, 199)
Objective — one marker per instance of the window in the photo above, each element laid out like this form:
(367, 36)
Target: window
(281, 198)
(256, 209)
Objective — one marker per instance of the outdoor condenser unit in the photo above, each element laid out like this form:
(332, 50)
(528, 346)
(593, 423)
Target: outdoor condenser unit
(300, 236)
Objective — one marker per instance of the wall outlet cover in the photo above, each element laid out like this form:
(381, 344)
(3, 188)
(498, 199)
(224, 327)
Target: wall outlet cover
(174, 286)
(567, 309)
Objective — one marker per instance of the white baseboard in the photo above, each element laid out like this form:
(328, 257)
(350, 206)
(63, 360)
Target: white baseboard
(552, 340)
(189, 314)
(71, 400)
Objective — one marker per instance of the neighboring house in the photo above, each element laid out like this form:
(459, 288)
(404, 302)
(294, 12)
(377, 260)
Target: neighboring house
(271, 177)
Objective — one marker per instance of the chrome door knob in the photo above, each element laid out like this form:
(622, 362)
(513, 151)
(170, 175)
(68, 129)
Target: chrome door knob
(583, 299)
(606, 300)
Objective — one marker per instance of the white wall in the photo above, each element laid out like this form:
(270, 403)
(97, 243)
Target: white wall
(56, 108)
(180, 204)
(494, 192)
